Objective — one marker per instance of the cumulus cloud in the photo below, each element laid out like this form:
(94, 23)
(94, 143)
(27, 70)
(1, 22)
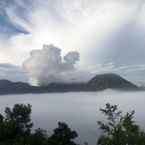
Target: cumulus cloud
(48, 66)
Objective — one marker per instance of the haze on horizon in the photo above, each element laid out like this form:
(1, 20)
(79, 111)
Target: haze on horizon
(108, 35)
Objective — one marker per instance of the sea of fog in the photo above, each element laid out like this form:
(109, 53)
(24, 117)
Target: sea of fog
(79, 110)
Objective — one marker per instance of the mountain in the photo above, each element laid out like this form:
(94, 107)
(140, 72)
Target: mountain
(97, 83)
(112, 81)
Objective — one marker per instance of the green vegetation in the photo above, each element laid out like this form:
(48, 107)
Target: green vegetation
(120, 129)
(16, 129)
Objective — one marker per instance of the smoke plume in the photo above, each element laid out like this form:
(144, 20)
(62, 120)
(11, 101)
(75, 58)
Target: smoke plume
(48, 66)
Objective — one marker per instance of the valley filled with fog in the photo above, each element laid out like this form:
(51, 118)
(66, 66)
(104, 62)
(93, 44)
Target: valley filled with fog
(79, 110)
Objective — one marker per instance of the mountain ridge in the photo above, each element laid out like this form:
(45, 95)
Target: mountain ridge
(97, 83)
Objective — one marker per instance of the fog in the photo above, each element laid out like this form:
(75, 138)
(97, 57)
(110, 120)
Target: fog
(79, 110)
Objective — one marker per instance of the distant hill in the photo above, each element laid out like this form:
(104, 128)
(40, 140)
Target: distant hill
(97, 83)
(112, 81)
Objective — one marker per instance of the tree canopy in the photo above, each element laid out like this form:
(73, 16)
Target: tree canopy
(118, 129)
(16, 129)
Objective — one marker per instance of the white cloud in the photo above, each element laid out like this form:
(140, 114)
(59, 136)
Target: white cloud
(48, 66)
(75, 25)
(72, 25)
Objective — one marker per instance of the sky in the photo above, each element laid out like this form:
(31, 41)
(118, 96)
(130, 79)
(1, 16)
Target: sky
(108, 35)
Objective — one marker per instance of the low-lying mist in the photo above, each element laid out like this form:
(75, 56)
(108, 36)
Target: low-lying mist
(79, 110)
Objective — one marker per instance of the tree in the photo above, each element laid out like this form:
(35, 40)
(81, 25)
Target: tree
(15, 125)
(21, 115)
(39, 137)
(119, 129)
(16, 129)
(63, 135)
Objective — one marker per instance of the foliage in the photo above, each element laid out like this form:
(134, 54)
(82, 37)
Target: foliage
(119, 129)
(20, 115)
(63, 135)
(16, 129)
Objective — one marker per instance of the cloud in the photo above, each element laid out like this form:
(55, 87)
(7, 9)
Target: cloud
(37, 73)
(79, 25)
(12, 73)
(48, 66)
(132, 72)
(12, 13)
(101, 31)
(127, 45)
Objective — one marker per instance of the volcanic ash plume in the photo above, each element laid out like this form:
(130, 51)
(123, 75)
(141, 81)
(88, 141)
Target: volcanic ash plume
(48, 66)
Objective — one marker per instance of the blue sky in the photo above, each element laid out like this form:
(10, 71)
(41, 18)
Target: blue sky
(108, 34)
(7, 27)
